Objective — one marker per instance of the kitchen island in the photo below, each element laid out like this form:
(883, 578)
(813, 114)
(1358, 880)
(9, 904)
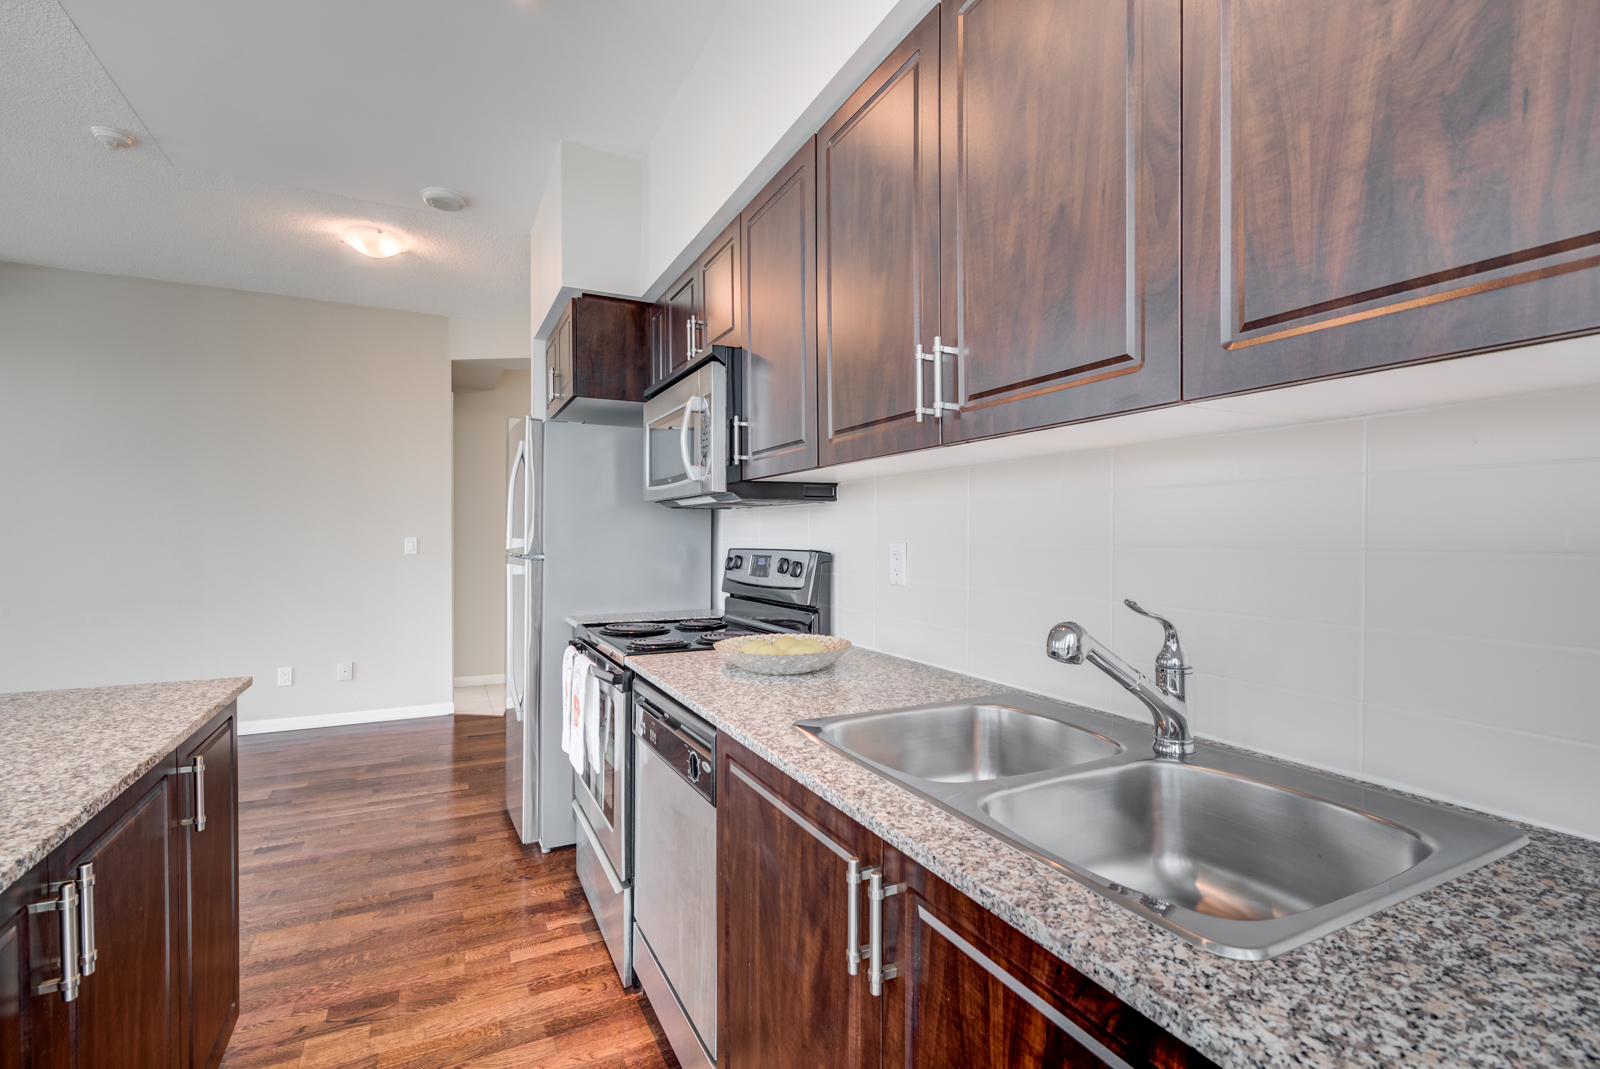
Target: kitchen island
(119, 903)
(1499, 967)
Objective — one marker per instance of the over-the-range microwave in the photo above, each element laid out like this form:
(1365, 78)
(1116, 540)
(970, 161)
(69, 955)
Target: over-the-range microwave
(691, 457)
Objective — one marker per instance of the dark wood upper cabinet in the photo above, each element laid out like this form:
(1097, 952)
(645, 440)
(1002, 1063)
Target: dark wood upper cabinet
(1378, 181)
(1060, 159)
(598, 351)
(211, 902)
(778, 384)
(681, 308)
(720, 315)
(787, 1000)
(878, 255)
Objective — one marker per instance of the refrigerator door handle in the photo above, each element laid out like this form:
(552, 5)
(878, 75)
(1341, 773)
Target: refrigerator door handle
(514, 544)
(513, 571)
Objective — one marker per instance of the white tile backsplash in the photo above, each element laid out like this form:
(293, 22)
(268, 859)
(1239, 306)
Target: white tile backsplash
(1408, 597)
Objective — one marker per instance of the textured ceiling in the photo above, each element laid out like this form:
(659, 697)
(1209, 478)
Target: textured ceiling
(271, 156)
(375, 99)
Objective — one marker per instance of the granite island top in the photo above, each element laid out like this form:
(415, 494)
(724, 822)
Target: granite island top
(68, 753)
(1500, 967)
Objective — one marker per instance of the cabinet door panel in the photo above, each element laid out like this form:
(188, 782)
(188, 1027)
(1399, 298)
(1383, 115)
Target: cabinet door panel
(878, 246)
(13, 985)
(212, 906)
(683, 304)
(788, 1001)
(1060, 157)
(558, 364)
(125, 1013)
(1381, 181)
(779, 380)
(719, 289)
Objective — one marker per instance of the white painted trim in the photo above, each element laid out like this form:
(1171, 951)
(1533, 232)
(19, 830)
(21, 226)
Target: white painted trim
(330, 720)
(479, 681)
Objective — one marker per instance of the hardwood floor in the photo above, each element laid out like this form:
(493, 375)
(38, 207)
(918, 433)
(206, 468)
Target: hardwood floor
(390, 918)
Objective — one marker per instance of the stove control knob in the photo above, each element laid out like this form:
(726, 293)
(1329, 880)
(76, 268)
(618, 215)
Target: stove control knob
(783, 565)
(738, 562)
(729, 566)
(795, 570)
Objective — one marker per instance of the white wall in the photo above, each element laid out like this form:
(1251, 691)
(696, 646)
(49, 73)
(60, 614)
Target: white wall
(1407, 598)
(587, 235)
(770, 74)
(480, 511)
(204, 482)
(501, 338)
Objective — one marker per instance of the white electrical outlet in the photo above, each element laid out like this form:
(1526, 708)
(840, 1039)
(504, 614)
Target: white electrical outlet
(411, 545)
(345, 670)
(286, 677)
(897, 564)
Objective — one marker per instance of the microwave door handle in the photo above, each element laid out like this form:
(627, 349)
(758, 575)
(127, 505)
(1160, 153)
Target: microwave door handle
(696, 472)
(511, 495)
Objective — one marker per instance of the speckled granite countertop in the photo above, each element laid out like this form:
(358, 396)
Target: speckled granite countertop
(68, 753)
(1500, 967)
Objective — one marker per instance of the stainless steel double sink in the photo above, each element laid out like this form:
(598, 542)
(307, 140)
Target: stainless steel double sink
(1243, 856)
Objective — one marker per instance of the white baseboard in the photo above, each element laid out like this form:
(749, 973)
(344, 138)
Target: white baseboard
(479, 681)
(333, 720)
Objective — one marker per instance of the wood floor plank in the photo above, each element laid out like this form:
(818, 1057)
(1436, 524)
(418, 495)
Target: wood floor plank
(391, 920)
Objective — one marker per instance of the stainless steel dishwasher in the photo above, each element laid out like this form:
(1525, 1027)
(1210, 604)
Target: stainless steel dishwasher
(675, 872)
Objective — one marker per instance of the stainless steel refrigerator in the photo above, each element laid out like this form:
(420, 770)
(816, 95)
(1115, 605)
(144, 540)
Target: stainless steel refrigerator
(580, 538)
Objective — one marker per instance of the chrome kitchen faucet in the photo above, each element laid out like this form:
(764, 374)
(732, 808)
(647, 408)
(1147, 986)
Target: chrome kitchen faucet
(1071, 644)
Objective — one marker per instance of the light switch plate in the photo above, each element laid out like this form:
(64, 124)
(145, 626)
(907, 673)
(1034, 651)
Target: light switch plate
(344, 670)
(411, 545)
(897, 564)
(286, 677)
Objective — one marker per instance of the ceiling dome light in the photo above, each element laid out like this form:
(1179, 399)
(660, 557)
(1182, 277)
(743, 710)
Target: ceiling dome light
(446, 200)
(375, 242)
(111, 137)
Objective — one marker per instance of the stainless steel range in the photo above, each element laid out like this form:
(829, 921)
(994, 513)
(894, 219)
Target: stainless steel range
(647, 841)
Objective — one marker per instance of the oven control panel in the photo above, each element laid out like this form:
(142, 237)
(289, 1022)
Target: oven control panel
(781, 569)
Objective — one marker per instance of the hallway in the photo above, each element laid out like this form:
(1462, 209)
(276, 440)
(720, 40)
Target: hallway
(390, 919)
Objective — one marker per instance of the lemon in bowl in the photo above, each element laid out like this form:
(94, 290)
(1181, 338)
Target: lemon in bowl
(781, 655)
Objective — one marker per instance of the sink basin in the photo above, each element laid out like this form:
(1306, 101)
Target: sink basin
(966, 742)
(1243, 856)
(1219, 844)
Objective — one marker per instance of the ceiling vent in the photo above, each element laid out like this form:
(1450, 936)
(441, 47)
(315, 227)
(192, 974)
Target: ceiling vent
(111, 137)
(446, 200)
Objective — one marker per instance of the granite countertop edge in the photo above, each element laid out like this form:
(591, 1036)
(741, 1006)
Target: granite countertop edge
(1003, 880)
(63, 823)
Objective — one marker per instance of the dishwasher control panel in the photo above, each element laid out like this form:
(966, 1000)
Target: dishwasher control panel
(686, 755)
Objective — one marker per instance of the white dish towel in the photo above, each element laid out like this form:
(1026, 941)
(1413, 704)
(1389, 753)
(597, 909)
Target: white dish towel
(569, 661)
(572, 729)
(591, 718)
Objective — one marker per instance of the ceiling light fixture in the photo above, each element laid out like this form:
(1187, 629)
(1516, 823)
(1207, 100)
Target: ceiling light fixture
(111, 137)
(375, 242)
(446, 200)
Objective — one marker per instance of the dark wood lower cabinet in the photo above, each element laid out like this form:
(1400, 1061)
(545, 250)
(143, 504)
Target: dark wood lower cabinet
(211, 903)
(157, 934)
(966, 989)
(787, 996)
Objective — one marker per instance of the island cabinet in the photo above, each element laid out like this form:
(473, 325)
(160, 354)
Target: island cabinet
(776, 406)
(140, 970)
(960, 987)
(1379, 181)
(1059, 154)
(700, 309)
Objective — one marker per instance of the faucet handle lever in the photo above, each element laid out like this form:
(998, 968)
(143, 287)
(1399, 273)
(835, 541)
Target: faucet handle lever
(1170, 660)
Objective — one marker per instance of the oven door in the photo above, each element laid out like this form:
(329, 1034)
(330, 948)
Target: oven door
(685, 437)
(605, 796)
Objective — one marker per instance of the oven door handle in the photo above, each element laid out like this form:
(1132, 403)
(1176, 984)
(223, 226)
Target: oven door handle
(599, 670)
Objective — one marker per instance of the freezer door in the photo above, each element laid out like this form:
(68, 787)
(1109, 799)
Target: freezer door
(524, 586)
